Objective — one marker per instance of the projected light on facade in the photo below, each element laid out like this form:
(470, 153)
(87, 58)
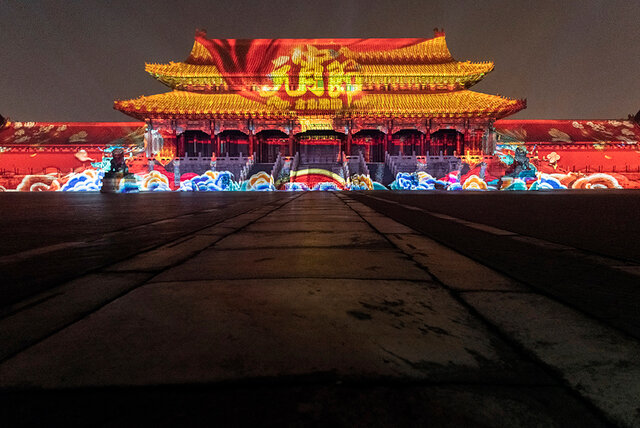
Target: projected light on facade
(322, 114)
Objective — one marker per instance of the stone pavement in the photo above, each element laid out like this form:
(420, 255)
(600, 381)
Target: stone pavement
(311, 310)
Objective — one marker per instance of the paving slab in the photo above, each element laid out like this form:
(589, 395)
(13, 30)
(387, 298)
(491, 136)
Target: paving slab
(211, 331)
(335, 216)
(384, 224)
(298, 205)
(542, 243)
(316, 199)
(599, 362)
(248, 240)
(308, 226)
(296, 263)
(343, 405)
(604, 293)
(217, 230)
(166, 255)
(298, 209)
(361, 208)
(295, 208)
(633, 270)
(452, 268)
(35, 318)
(241, 220)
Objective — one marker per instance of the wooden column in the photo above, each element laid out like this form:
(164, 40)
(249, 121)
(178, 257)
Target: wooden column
(252, 138)
(173, 136)
(349, 140)
(180, 146)
(148, 149)
(292, 140)
(212, 137)
(427, 140)
(464, 141)
(489, 146)
(389, 139)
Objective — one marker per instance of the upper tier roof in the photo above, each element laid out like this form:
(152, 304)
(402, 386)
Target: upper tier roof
(239, 64)
(428, 77)
(205, 51)
(343, 77)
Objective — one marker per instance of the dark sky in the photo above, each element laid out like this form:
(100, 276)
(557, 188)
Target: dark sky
(68, 60)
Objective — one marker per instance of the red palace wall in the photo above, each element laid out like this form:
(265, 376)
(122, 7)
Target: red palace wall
(587, 158)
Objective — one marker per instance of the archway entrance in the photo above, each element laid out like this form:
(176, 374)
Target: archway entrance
(369, 142)
(446, 142)
(320, 147)
(195, 144)
(270, 143)
(406, 142)
(233, 142)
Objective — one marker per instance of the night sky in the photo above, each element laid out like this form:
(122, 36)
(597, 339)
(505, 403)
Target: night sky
(68, 60)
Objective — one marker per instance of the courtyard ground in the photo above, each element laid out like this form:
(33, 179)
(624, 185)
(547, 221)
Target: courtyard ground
(362, 308)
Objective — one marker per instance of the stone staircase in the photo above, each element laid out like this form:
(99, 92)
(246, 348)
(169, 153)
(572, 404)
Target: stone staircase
(239, 166)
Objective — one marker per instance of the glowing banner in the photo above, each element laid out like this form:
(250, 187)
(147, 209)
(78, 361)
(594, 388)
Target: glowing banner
(304, 74)
(315, 124)
(312, 71)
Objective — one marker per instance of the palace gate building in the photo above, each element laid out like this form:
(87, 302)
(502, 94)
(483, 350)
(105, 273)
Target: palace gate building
(321, 99)
(346, 107)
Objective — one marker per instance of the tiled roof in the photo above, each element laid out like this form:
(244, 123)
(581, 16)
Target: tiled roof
(448, 104)
(337, 77)
(443, 76)
(363, 51)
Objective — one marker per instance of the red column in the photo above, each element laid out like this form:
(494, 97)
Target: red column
(427, 143)
(251, 143)
(180, 148)
(459, 143)
(464, 143)
(291, 143)
(349, 141)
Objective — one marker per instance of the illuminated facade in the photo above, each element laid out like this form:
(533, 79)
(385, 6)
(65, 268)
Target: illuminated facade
(321, 98)
(322, 114)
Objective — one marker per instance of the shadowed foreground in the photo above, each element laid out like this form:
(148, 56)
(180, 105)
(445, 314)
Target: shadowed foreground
(306, 309)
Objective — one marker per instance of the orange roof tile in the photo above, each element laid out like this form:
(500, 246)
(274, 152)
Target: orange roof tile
(448, 104)
(450, 75)
(363, 51)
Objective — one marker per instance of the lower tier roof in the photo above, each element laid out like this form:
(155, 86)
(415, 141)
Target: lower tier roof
(182, 104)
